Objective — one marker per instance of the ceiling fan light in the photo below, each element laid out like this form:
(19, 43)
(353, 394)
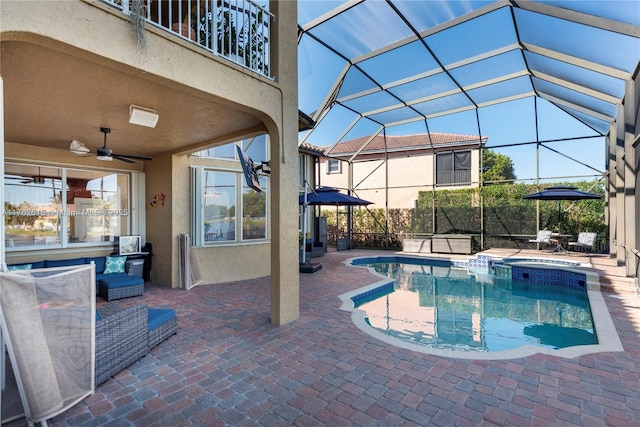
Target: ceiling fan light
(103, 157)
(78, 147)
(142, 116)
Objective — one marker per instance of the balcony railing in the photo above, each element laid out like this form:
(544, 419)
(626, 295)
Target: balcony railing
(238, 30)
(462, 177)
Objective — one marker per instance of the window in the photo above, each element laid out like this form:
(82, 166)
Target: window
(453, 168)
(49, 206)
(225, 209)
(301, 170)
(219, 214)
(254, 212)
(255, 148)
(226, 151)
(334, 166)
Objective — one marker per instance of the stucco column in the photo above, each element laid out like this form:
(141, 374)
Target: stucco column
(631, 99)
(285, 280)
(620, 186)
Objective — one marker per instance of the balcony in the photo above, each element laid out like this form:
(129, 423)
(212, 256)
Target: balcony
(461, 177)
(237, 30)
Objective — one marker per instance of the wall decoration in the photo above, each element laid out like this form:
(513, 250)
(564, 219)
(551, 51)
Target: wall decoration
(158, 198)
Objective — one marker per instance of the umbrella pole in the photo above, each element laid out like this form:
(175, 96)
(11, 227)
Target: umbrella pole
(304, 225)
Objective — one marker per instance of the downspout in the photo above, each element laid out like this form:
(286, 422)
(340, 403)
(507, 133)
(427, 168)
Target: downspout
(386, 190)
(433, 180)
(481, 183)
(535, 106)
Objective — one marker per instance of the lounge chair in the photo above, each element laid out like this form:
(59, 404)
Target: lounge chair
(544, 236)
(586, 240)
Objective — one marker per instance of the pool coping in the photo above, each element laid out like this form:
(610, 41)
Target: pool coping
(608, 339)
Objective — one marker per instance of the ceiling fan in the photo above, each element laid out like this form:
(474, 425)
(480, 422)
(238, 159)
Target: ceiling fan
(104, 152)
(19, 178)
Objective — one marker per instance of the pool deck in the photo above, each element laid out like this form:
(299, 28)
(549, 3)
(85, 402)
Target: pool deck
(229, 366)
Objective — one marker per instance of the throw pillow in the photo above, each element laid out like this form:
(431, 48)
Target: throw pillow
(19, 267)
(115, 264)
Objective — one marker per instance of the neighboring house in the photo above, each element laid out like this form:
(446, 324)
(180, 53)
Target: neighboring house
(390, 171)
(70, 68)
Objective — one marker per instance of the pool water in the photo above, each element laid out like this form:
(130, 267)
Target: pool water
(444, 307)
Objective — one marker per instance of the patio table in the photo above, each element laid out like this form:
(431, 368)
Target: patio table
(559, 239)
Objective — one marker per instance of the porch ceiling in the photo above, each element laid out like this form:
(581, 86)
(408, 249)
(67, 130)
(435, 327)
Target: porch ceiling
(52, 96)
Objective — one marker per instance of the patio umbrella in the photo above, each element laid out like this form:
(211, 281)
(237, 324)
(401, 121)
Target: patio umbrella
(328, 196)
(561, 192)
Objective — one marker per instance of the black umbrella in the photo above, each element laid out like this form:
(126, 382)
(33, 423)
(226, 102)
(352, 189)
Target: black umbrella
(330, 196)
(562, 192)
(558, 193)
(327, 196)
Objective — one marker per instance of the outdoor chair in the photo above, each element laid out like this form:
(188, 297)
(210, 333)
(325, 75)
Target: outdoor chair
(544, 236)
(586, 241)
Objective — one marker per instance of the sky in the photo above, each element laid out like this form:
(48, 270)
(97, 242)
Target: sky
(358, 31)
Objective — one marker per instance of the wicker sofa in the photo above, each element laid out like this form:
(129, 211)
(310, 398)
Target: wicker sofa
(124, 337)
(109, 286)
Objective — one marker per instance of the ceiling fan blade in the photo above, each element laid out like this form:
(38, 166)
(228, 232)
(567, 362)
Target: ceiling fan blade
(121, 158)
(129, 156)
(21, 179)
(105, 153)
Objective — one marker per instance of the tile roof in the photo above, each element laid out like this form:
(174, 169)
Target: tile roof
(403, 143)
(310, 148)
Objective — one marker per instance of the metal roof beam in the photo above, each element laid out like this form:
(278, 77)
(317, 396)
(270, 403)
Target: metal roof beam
(576, 107)
(579, 17)
(346, 131)
(593, 66)
(465, 108)
(434, 71)
(433, 30)
(331, 14)
(373, 135)
(578, 88)
(448, 93)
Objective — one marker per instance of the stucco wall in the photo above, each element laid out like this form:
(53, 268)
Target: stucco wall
(217, 264)
(404, 177)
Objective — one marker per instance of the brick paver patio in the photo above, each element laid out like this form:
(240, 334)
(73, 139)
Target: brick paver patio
(229, 366)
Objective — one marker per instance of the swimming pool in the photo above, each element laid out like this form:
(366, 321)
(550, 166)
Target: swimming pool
(465, 309)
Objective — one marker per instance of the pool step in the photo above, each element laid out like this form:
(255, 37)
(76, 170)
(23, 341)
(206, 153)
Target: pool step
(617, 284)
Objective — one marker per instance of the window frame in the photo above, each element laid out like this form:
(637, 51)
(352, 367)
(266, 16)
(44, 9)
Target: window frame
(336, 162)
(454, 174)
(197, 185)
(64, 239)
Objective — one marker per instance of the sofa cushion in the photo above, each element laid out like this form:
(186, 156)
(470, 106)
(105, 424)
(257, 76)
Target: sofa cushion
(158, 316)
(99, 261)
(106, 277)
(19, 267)
(64, 262)
(120, 281)
(115, 264)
